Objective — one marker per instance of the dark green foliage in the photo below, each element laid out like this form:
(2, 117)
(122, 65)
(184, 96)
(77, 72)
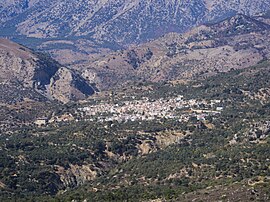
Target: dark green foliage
(203, 158)
(133, 59)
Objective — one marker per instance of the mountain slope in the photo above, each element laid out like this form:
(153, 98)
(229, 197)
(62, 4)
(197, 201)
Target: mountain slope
(234, 43)
(118, 21)
(12, 8)
(40, 73)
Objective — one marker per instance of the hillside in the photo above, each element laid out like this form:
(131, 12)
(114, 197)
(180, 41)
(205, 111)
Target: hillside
(210, 137)
(234, 43)
(39, 74)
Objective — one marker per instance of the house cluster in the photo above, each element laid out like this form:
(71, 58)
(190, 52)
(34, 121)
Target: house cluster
(144, 109)
(147, 109)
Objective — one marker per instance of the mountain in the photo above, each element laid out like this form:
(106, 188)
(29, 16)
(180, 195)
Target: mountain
(183, 112)
(26, 69)
(113, 22)
(84, 34)
(234, 43)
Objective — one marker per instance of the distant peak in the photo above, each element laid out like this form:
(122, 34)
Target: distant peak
(238, 24)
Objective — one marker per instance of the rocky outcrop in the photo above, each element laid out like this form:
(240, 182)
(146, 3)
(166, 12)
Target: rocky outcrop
(76, 175)
(2, 185)
(65, 85)
(40, 73)
(259, 131)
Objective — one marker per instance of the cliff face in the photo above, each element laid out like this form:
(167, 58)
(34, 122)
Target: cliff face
(39, 72)
(65, 85)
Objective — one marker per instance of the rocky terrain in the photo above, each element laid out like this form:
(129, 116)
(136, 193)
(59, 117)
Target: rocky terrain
(23, 68)
(98, 18)
(182, 112)
(235, 43)
(111, 23)
(9, 9)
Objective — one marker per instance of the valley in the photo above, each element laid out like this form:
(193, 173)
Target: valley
(148, 101)
(121, 156)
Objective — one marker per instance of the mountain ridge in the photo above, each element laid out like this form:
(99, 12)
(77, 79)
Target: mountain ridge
(236, 42)
(122, 22)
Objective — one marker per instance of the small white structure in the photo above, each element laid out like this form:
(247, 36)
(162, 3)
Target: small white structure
(41, 121)
(219, 108)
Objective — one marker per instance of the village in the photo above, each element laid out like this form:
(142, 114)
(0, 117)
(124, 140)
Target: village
(146, 109)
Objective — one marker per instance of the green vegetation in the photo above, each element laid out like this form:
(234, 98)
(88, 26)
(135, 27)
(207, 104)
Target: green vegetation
(226, 153)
